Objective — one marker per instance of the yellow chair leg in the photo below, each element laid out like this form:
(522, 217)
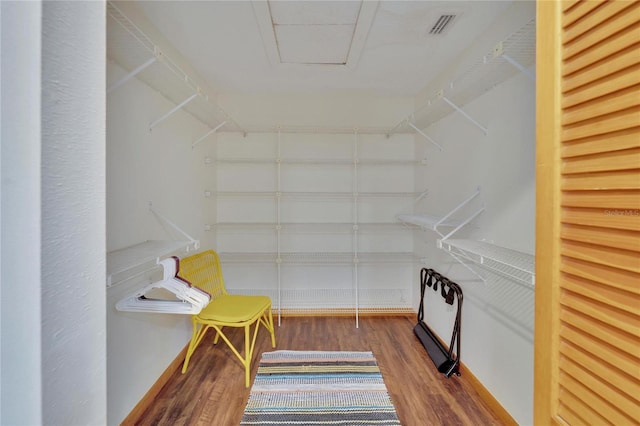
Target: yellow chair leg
(247, 356)
(193, 344)
(272, 330)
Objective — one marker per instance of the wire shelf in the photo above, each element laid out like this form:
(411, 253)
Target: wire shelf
(512, 264)
(310, 228)
(132, 261)
(424, 221)
(316, 195)
(321, 161)
(320, 258)
(515, 53)
(133, 50)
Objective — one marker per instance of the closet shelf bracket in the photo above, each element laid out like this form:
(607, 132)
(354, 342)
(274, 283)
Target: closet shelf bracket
(498, 51)
(436, 224)
(172, 110)
(196, 243)
(132, 74)
(461, 111)
(203, 137)
(424, 135)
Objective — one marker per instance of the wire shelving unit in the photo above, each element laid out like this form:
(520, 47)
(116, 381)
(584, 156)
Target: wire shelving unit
(516, 53)
(513, 264)
(142, 58)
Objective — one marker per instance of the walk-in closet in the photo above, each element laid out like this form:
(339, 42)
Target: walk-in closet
(329, 199)
(366, 165)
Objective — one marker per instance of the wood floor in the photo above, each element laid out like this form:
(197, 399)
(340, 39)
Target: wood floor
(212, 392)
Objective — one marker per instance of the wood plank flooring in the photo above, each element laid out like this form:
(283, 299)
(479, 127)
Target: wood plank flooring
(212, 391)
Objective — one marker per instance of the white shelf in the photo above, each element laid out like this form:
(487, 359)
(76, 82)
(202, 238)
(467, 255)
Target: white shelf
(322, 161)
(513, 264)
(435, 223)
(323, 258)
(514, 54)
(425, 221)
(318, 195)
(136, 53)
(309, 228)
(134, 260)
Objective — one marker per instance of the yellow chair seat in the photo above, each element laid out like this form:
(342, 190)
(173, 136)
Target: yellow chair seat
(232, 308)
(224, 310)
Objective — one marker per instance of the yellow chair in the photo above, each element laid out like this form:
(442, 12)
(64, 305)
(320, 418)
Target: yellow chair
(224, 310)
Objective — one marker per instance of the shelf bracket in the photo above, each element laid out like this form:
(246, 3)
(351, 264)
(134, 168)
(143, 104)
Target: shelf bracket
(525, 71)
(467, 267)
(129, 76)
(172, 110)
(457, 228)
(498, 51)
(207, 134)
(424, 135)
(196, 243)
(461, 111)
(458, 207)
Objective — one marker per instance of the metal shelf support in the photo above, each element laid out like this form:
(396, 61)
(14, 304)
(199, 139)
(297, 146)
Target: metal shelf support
(461, 111)
(498, 51)
(172, 110)
(424, 135)
(132, 74)
(195, 242)
(203, 137)
(525, 71)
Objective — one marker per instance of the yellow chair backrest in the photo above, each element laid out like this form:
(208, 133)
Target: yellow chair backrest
(203, 271)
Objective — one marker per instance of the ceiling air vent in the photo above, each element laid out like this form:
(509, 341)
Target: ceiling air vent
(441, 24)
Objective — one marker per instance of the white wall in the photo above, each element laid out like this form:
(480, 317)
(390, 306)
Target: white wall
(21, 350)
(497, 318)
(327, 286)
(331, 285)
(73, 218)
(158, 166)
(53, 257)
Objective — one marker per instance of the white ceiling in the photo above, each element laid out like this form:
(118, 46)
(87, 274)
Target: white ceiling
(319, 46)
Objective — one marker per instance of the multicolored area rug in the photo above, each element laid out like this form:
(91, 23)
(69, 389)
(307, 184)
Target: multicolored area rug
(317, 389)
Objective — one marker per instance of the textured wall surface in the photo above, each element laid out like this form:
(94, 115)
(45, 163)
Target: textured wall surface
(73, 213)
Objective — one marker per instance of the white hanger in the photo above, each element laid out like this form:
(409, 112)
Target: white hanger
(192, 299)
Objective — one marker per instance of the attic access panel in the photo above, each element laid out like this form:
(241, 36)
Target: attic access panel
(314, 33)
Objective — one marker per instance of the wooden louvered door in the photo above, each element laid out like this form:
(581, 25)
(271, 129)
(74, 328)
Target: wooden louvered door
(587, 342)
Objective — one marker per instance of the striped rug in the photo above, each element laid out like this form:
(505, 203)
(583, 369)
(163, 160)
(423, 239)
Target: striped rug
(319, 388)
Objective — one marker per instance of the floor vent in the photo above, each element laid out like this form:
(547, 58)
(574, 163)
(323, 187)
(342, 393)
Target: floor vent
(441, 24)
